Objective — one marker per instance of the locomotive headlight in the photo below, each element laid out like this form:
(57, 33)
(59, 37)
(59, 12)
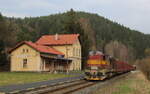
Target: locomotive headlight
(94, 68)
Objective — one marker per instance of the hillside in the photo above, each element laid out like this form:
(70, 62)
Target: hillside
(96, 32)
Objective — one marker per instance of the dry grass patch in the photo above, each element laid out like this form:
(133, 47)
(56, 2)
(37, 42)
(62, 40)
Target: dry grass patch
(144, 66)
(136, 83)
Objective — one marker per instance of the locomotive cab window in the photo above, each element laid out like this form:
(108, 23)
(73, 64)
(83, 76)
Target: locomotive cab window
(104, 57)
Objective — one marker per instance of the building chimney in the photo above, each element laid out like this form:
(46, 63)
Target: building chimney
(56, 36)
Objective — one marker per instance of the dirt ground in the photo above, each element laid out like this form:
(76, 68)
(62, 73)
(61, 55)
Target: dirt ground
(135, 83)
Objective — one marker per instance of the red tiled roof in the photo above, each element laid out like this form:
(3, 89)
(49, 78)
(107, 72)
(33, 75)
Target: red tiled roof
(62, 39)
(40, 48)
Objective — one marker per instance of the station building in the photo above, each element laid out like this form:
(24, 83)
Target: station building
(49, 53)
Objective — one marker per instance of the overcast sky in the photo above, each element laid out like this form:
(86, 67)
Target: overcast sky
(131, 13)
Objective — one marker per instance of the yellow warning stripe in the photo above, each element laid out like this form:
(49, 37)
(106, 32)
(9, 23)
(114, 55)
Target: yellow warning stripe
(97, 62)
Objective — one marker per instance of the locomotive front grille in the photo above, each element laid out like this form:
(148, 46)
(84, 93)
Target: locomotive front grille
(99, 74)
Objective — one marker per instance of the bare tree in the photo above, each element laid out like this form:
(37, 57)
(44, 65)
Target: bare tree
(119, 51)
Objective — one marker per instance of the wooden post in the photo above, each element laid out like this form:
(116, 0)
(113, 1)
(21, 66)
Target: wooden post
(44, 64)
(40, 65)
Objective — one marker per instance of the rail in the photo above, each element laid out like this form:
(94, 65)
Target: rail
(59, 88)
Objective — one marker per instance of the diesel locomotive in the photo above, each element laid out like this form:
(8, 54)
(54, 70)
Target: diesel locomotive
(100, 66)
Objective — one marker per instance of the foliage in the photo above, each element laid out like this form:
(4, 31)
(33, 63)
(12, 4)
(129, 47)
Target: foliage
(100, 30)
(3, 31)
(147, 52)
(95, 31)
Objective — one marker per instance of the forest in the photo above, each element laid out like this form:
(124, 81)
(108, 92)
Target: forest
(96, 33)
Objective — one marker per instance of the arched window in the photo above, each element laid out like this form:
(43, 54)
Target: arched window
(23, 50)
(25, 63)
(73, 51)
(27, 50)
(76, 52)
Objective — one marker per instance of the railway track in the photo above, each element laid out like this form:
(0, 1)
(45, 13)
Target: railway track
(72, 88)
(69, 87)
(60, 88)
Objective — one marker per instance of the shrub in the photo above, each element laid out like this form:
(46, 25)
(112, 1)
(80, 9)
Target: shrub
(144, 66)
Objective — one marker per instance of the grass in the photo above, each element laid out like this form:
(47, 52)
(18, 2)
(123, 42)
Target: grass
(79, 72)
(124, 88)
(9, 78)
(135, 83)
